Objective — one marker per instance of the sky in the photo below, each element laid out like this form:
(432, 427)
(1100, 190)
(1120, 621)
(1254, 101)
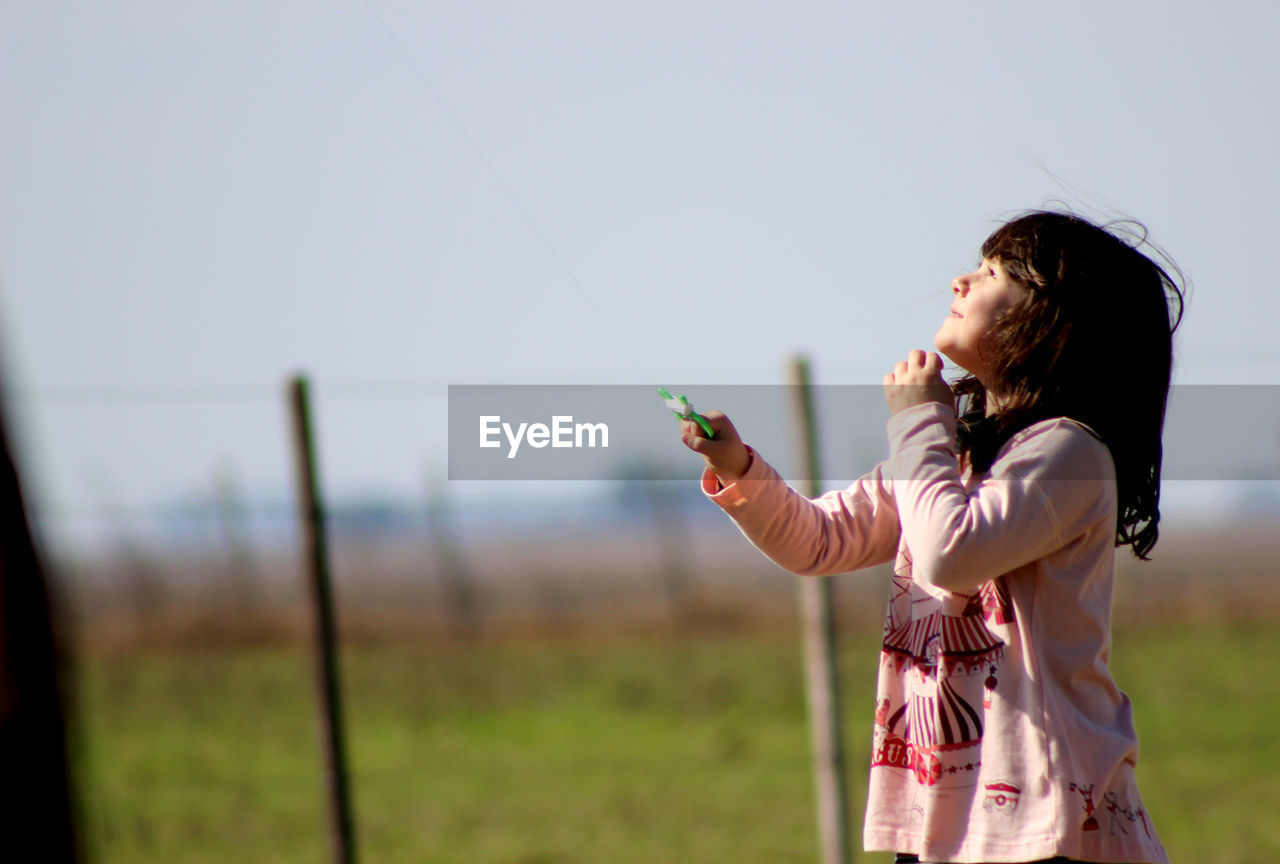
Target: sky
(199, 199)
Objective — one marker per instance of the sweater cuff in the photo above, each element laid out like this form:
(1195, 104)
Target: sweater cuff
(927, 416)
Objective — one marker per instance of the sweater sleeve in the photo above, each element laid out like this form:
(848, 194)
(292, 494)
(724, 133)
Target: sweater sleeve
(838, 532)
(1049, 484)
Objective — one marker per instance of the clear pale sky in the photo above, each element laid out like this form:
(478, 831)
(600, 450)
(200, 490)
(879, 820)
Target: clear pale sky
(198, 198)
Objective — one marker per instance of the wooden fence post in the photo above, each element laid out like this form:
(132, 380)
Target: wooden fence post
(37, 805)
(461, 600)
(315, 550)
(244, 577)
(821, 680)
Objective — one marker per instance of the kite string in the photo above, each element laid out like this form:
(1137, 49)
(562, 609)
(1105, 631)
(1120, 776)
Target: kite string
(408, 58)
(497, 178)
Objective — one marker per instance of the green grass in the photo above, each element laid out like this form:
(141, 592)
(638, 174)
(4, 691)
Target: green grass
(536, 753)
(1206, 705)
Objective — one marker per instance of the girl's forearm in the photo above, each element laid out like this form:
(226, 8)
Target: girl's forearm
(836, 533)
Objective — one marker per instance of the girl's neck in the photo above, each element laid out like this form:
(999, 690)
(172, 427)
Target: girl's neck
(994, 403)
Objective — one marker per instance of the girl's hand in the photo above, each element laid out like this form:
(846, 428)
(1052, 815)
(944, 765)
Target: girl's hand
(724, 454)
(915, 381)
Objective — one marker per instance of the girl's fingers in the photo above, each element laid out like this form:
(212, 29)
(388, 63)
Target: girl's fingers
(721, 425)
(917, 362)
(717, 420)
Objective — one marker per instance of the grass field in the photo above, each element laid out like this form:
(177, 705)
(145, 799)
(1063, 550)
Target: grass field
(537, 752)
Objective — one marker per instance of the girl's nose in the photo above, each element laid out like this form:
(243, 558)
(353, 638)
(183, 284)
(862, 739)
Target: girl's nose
(960, 285)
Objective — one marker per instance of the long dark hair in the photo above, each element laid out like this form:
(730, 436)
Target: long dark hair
(1092, 341)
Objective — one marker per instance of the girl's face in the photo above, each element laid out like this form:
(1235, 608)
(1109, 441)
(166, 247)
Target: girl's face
(981, 298)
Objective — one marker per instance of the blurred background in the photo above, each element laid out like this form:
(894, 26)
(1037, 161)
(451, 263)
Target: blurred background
(201, 199)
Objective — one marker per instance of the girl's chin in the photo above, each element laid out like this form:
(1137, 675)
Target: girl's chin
(945, 348)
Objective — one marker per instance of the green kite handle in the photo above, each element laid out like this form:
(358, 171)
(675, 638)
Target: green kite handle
(683, 410)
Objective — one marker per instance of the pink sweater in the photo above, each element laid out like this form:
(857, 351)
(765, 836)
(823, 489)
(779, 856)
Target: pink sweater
(999, 733)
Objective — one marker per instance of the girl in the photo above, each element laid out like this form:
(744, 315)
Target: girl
(999, 733)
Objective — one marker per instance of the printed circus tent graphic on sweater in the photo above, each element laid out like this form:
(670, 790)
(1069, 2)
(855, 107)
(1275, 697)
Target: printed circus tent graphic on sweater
(937, 658)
